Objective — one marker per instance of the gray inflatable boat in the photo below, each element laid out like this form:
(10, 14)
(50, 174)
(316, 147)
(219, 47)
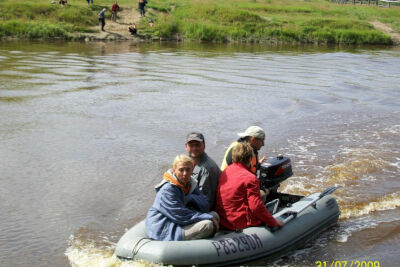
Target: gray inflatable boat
(304, 218)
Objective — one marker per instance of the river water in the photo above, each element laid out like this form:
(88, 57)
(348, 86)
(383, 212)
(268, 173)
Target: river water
(86, 131)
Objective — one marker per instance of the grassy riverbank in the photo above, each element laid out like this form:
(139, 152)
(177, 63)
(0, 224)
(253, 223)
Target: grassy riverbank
(43, 19)
(290, 21)
(277, 21)
(40, 19)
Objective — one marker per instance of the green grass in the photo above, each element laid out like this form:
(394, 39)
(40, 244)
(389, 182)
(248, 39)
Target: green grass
(282, 21)
(40, 19)
(289, 21)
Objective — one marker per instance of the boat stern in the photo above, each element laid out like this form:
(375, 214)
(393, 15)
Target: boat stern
(129, 243)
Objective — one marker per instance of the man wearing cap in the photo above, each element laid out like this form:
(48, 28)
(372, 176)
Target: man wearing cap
(206, 172)
(253, 135)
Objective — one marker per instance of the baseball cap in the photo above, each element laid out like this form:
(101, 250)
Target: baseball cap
(253, 131)
(194, 136)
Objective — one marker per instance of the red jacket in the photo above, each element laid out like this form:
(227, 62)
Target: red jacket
(238, 201)
(115, 7)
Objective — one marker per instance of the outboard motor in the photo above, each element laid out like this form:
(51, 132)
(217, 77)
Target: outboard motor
(273, 172)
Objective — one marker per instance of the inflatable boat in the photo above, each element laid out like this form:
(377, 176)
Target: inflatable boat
(304, 217)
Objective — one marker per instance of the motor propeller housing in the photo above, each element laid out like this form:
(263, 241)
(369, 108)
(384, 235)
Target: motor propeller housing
(274, 171)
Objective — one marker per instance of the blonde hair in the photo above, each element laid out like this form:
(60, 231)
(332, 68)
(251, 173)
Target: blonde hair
(182, 158)
(242, 153)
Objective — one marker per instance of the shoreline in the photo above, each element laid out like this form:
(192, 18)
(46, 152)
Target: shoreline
(122, 36)
(116, 36)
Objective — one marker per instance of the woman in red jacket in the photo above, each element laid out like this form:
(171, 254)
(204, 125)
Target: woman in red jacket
(114, 11)
(238, 199)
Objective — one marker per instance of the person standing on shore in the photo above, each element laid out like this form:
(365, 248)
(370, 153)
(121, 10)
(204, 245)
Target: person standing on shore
(102, 18)
(114, 11)
(89, 1)
(142, 3)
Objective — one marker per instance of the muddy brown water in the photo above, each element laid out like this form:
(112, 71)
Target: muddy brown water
(86, 130)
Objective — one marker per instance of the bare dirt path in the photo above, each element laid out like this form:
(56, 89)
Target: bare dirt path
(387, 29)
(115, 30)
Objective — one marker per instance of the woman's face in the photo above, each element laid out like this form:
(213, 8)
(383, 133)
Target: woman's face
(183, 171)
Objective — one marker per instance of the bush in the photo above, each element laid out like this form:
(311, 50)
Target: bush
(166, 27)
(34, 29)
(208, 33)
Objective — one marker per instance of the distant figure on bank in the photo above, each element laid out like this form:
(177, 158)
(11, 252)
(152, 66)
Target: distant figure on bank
(151, 23)
(102, 18)
(142, 3)
(132, 29)
(63, 2)
(89, 1)
(179, 211)
(114, 11)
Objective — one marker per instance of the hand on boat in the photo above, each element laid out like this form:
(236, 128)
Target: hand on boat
(277, 227)
(263, 159)
(280, 223)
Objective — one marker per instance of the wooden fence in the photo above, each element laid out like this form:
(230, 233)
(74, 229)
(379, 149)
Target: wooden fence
(382, 3)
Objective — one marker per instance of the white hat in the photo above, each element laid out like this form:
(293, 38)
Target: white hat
(253, 131)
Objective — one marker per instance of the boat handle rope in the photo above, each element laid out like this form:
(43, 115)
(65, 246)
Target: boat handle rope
(313, 203)
(135, 249)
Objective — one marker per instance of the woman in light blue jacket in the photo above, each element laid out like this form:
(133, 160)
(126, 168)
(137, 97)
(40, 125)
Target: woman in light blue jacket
(179, 209)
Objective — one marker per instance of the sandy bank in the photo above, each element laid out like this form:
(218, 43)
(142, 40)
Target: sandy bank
(114, 30)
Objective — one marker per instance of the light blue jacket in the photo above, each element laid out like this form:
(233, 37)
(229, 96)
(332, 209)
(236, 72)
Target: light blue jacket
(172, 210)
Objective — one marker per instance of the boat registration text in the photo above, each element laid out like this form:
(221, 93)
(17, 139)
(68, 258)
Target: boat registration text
(237, 244)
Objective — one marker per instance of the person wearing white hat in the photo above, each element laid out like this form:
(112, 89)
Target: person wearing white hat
(255, 136)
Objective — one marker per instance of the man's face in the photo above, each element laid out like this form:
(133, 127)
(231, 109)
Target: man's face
(256, 143)
(195, 148)
(183, 171)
